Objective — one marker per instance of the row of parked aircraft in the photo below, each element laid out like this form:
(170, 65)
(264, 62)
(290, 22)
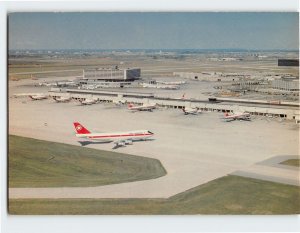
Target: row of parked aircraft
(127, 138)
(227, 116)
(146, 107)
(90, 101)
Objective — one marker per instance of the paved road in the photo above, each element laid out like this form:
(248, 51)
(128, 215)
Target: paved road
(272, 170)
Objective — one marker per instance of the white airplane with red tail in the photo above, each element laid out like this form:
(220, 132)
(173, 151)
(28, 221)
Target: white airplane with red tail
(119, 138)
(144, 107)
(38, 97)
(62, 99)
(237, 116)
(192, 111)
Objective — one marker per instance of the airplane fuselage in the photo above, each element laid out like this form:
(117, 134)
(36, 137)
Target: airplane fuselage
(88, 101)
(237, 116)
(37, 97)
(119, 138)
(115, 136)
(192, 111)
(62, 99)
(145, 107)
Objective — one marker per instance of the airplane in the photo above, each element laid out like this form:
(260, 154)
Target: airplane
(192, 111)
(47, 84)
(236, 116)
(38, 97)
(119, 102)
(144, 107)
(88, 101)
(62, 99)
(119, 138)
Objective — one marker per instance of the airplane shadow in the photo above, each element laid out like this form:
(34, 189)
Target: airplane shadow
(112, 107)
(139, 112)
(150, 139)
(118, 146)
(85, 143)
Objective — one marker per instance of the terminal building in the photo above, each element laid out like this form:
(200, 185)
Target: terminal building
(110, 75)
(211, 76)
(286, 110)
(286, 84)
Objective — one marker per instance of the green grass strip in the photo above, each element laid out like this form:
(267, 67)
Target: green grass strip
(292, 162)
(227, 195)
(37, 163)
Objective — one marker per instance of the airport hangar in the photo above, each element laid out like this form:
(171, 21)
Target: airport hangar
(286, 110)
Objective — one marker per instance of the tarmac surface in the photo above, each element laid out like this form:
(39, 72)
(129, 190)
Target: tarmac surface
(272, 170)
(193, 149)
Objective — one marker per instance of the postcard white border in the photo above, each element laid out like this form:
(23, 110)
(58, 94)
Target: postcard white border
(78, 224)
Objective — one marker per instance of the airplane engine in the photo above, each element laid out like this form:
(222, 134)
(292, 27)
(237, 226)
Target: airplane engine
(121, 144)
(128, 142)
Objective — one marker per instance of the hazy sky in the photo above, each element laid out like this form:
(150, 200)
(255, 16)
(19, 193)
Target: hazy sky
(153, 30)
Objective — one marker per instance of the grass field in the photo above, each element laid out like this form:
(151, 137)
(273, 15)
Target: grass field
(36, 163)
(226, 195)
(292, 162)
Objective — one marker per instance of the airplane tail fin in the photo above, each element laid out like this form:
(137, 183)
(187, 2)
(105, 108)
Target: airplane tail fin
(130, 105)
(80, 128)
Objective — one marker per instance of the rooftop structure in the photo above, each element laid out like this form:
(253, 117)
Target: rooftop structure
(110, 74)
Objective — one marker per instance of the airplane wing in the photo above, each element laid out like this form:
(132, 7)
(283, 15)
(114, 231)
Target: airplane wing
(116, 146)
(122, 142)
